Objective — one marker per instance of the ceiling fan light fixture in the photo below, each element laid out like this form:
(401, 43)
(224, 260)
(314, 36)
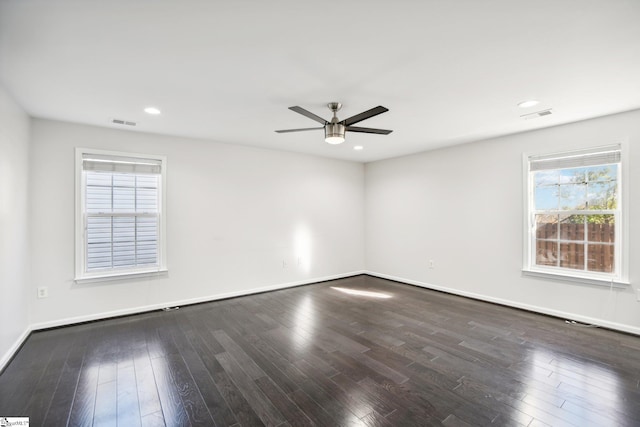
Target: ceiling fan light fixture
(334, 140)
(334, 133)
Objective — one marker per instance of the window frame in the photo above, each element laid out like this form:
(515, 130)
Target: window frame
(81, 273)
(620, 277)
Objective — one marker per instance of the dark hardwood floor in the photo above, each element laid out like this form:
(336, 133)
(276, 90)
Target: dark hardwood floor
(315, 355)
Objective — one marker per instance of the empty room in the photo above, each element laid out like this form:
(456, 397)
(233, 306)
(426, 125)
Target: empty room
(410, 213)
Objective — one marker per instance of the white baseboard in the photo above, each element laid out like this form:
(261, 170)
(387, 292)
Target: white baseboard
(142, 309)
(543, 310)
(6, 357)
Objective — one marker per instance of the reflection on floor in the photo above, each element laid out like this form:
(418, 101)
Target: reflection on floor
(329, 354)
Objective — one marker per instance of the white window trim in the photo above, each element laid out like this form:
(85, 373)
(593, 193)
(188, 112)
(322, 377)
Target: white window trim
(621, 279)
(81, 276)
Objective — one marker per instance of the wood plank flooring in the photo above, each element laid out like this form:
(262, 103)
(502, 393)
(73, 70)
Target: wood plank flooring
(372, 353)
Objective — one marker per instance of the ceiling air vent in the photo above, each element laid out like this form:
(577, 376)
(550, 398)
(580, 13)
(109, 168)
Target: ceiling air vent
(122, 122)
(537, 114)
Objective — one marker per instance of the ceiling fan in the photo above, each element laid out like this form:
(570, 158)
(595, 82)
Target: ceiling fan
(335, 129)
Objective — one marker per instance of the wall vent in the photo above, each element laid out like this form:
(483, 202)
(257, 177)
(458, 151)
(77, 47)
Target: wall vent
(123, 122)
(537, 114)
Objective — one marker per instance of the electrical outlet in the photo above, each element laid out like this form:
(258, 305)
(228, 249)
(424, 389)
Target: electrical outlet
(431, 264)
(638, 295)
(284, 264)
(43, 292)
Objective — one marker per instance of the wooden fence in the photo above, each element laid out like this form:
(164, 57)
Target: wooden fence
(569, 250)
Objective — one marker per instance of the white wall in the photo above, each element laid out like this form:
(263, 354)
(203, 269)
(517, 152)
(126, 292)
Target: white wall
(14, 228)
(462, 207)
(234, 214)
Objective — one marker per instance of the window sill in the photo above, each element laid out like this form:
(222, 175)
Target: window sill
(121, 276)
(586, 280)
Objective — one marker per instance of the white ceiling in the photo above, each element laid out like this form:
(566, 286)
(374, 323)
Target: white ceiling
(450, 71)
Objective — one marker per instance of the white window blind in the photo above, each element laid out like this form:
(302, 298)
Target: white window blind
(104, 163)
(604, 156)
(121, 213)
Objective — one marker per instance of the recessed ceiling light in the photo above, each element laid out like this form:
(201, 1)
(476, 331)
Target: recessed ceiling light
(528, 103)
(152, 110)
(358, 147)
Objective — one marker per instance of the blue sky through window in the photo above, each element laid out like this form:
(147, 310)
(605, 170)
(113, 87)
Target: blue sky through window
(575, 188)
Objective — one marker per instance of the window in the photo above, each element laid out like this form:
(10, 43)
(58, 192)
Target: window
(119, 223)
(575, 219)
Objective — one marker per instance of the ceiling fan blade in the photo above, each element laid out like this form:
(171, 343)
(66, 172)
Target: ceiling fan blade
(309, 114)
(365, 115)
(298, 130)
(368, 130)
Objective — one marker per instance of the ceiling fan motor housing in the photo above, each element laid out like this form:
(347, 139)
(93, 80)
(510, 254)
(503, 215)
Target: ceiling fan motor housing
(334, 133)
